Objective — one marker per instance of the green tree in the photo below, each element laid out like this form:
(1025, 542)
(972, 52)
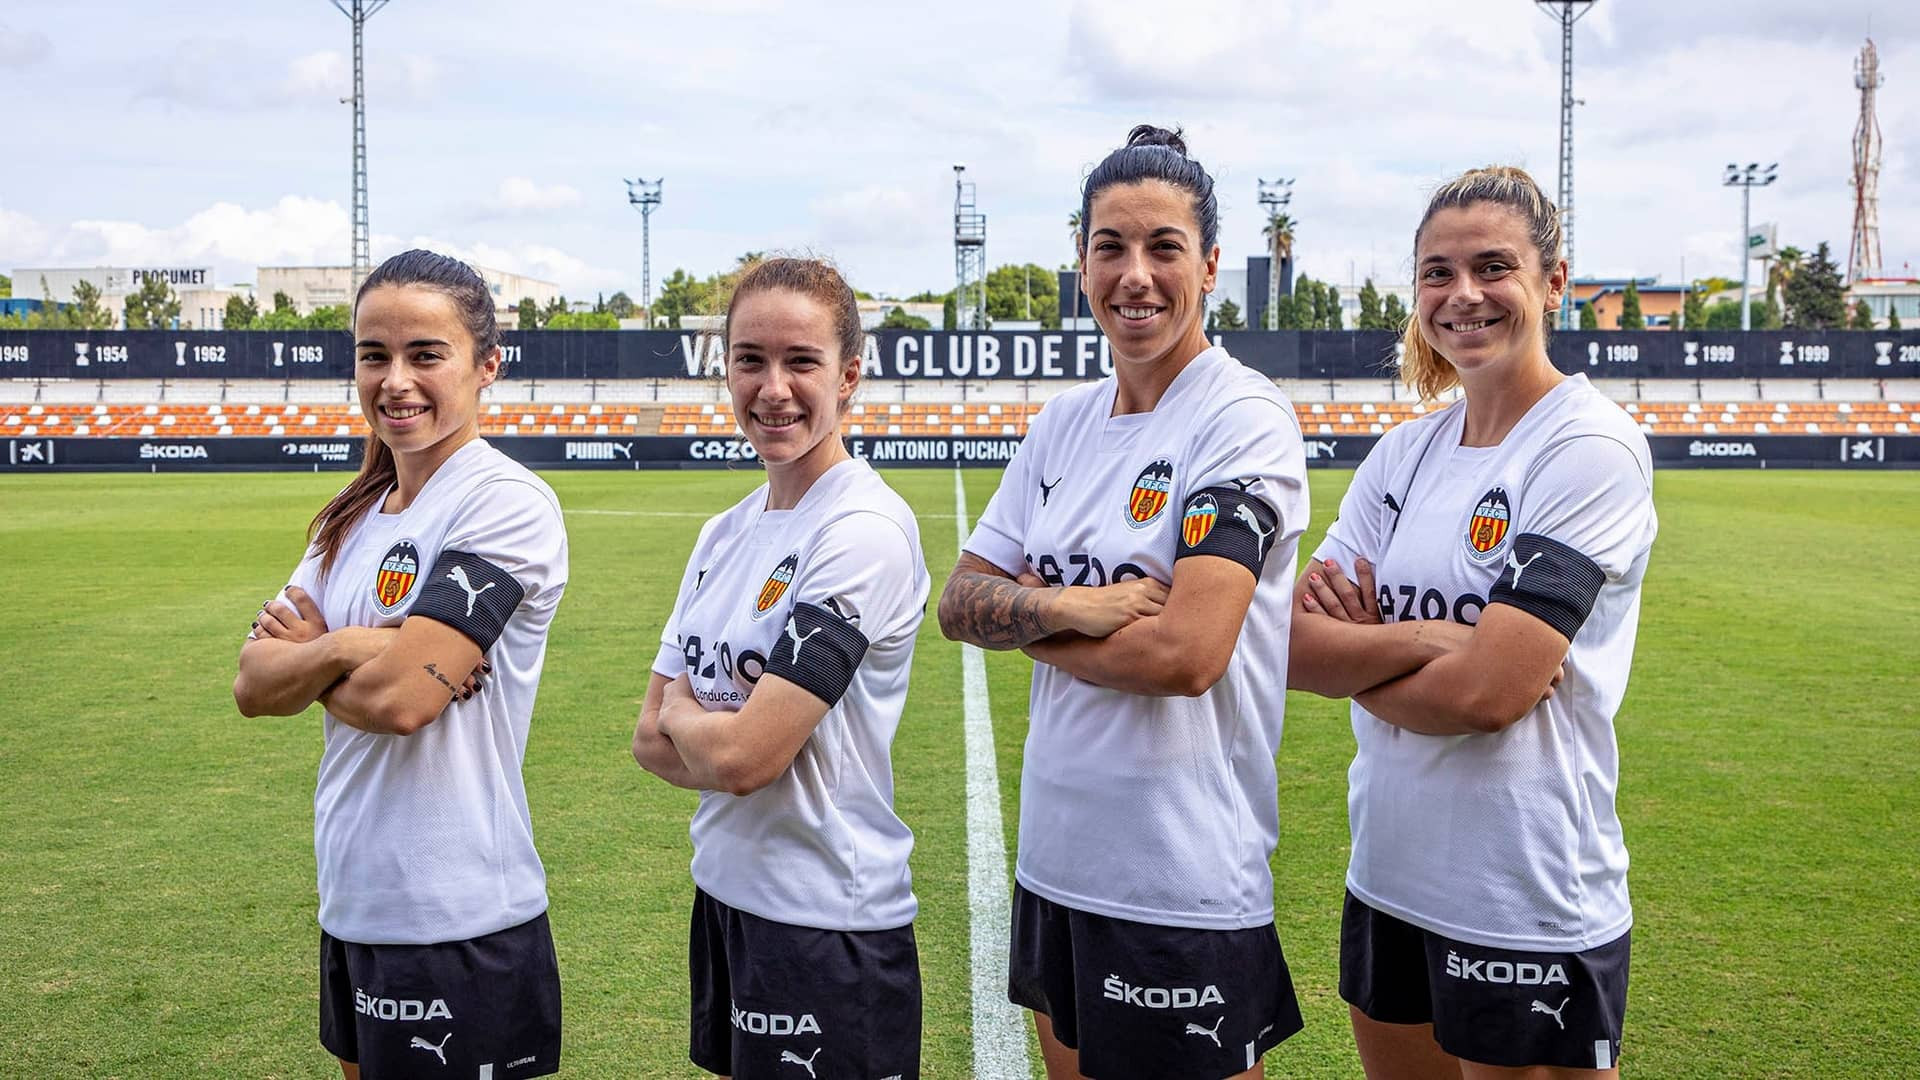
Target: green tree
(529, 314)
(1335, 317)
(621, 305)
(1694, 315)
(1279, 233)
(1073, 229)
(1370, 317)
(898, 319)
(583, 320)
(1893, 318)
(555, 306)
(1589, 319)
(949, 318)
(1024, 292)
(6, 286)
(1862, 316)
(335, 317)
(1781, 268)
(88, 313)
(242, 312)
(284, 315)
(1814, 297)
(153, 306)
(1227, 317)
(1393, 313)
(1630, 316)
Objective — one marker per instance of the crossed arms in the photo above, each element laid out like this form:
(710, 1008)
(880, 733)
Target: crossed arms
(383, 680)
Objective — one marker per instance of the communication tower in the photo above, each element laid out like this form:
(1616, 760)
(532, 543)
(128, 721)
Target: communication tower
(1863, 251)
(1566, 13)
(359, 11)
(645, 195)
(969, 256)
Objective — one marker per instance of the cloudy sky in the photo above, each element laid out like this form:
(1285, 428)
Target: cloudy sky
(213, 133)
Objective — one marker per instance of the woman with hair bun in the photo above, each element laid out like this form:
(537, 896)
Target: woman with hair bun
(1496, 549)
(419, 619)
(776, 691)
(1140, 549)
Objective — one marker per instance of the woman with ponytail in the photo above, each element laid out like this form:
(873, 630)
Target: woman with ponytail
(1139, 550)
(1496, 548)
(419, 619)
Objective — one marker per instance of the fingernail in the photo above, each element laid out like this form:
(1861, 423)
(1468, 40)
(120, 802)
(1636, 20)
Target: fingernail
(255, 626)
(1315, 578)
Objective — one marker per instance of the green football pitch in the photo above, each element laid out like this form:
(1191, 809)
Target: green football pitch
(156, 866)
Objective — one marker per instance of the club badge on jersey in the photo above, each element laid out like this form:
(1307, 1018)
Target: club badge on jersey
(1151, 490)
(1488, 525)
(776, 585)
(393, 581)
(1198, 521)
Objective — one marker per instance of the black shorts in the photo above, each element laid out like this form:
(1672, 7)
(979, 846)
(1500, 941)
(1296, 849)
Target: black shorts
(1140, 1000)
(486, 1008)
(1493, 1006)
(780, 1001)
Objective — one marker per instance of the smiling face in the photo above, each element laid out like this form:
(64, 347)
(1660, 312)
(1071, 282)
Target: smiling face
(414, 369)
(786, 375)
(1145, 273)
(1481, 293)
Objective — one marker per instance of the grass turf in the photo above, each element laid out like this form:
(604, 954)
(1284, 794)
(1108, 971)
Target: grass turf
(157, 911)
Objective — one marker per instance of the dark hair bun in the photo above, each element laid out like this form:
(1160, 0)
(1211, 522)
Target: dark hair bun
(1149, 135)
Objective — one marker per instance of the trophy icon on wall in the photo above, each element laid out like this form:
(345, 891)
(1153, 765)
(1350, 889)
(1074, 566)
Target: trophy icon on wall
(1883, 354)
(278, 348)
(179, 354)
(1786, 353)
(1693, 353)
(1593, 354)
(80, 358)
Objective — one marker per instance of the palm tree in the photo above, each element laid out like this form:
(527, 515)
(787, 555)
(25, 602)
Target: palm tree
(1785, 264)
(1073, 227)
(1279, 234)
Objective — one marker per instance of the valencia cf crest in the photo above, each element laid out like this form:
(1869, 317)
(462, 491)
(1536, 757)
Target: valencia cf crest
(393, 582)
(1198, 521)
(776, 586)
(1151, 489)
(1488, 526)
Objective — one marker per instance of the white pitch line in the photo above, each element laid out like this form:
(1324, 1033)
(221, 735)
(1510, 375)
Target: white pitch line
(999, 1031)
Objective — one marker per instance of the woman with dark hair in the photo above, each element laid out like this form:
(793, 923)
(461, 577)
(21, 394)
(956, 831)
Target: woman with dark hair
(419, 619)
(1498, 545)
(1139, 549)
(776, 692)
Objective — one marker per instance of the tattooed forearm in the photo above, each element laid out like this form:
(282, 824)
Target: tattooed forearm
(993, 611)
(452, 690)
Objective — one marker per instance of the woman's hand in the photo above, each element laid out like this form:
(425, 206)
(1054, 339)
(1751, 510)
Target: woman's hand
(1328, 592)
(1099, 611)
(294, 618)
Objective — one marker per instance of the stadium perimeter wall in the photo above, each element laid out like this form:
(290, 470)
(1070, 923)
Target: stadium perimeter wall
(911, 355)
(240, 454)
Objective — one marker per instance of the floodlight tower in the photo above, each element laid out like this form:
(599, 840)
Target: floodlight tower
(969, 256)
(1863, 251)
(1746, 179)
(645, 194)
(1275, 195)
(1566, 13)
(359, 11)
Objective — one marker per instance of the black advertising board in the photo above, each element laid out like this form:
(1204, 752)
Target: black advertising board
(906, 354)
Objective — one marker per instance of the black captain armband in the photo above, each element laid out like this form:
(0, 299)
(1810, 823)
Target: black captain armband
(818, 651)
(471, 595)
(1228, 523)
(1550, 581)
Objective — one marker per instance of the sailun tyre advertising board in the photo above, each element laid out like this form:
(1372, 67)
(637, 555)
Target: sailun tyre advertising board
(242, 454)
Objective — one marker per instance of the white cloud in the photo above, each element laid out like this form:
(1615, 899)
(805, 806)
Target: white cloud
(518, 195)
(577, 277)
(877, 217)
(22, 48)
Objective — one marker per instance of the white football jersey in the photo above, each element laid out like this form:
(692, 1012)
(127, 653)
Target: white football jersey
(1157, 809)
(828, 595)
(426, 838)
(1510, 839)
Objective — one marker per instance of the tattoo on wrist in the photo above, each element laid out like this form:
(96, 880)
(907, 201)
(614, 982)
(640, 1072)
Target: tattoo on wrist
(441, 679)
(996, 612)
